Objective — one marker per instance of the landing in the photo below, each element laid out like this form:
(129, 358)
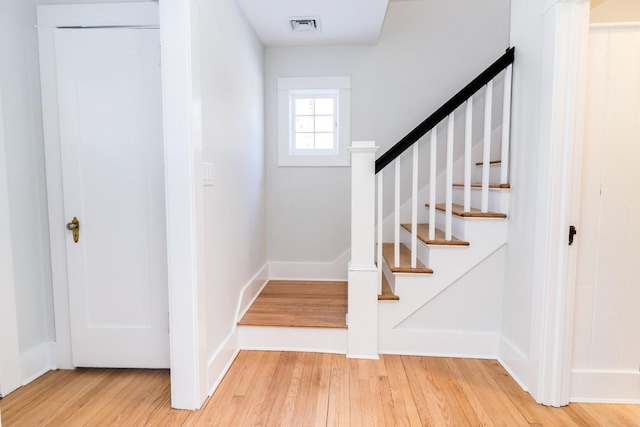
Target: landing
(299, 304)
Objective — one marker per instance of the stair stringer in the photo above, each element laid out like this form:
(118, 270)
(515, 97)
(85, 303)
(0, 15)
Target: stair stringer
(416, 290)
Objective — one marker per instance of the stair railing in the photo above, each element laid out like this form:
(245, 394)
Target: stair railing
(430, 126)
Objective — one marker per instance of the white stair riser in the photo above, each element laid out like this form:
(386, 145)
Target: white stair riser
(494, 173)
(430, 255)
(423, 249)
(498, 199)
(442, 255)
(458, 225)
(489, 230)
(270, 338)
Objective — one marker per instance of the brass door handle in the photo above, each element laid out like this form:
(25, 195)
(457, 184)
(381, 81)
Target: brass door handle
(74, 226)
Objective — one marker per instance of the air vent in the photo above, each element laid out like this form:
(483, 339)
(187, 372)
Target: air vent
(304, 25)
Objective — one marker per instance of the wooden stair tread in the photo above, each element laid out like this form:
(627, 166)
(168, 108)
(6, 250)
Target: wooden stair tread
(492, 162)
(479, 185)
(423, 234)
(458, 210)
(405, 260)
(387, 294)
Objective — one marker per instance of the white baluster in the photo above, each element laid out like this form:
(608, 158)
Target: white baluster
(432, 184)
(468, 123)
(414, 208)
(506, 126)
(449, 179)
(396, 221)
(486, 154)
(380, 227)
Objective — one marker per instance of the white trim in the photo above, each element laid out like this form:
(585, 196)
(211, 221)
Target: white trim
(613, 25)
(48, 84)
(222, 359)
(35, 362)
(97, 15)
(604, 386)
(438, 343)
(184, 198)
(330, 82)
(566, 25)
(252, 290)
(363, 356)
(289, 85)
(335, 270)
(9, 344)
(515, 362)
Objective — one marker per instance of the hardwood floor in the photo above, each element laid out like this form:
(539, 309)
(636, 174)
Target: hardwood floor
(299, 389)
(299, 303)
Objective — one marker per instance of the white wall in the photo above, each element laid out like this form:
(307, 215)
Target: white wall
(25, 172)
(527, 33)
(232, 60)
(426, 53)
(606, 345)
(9, 345)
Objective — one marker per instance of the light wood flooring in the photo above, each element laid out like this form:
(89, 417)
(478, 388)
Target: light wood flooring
(299, 303)
(300, 389)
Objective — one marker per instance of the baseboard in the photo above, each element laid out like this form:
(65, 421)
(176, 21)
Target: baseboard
(223, 357)
(36, 362)
(514, 361)
(251, 291)
(313, 340)
(605, 386)
(220, 362)
(364, 356)
(419, 342)
(335, 270)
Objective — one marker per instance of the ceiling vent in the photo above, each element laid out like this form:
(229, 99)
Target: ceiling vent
(304, 25)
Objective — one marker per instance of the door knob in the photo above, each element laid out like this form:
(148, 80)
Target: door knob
(74, 226)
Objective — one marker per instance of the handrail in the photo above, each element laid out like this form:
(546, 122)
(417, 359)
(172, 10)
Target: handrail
(447, 108)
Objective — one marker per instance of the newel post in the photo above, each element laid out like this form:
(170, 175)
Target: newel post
(363, 274)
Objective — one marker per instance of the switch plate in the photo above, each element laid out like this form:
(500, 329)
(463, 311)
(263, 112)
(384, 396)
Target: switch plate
(207, 174)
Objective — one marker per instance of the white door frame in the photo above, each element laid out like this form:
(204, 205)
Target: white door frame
(563, 90)
(10, 378)
(179, 34)
(187, 345)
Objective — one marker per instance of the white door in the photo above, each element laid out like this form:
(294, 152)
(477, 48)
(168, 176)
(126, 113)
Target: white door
(109, 95)
(606, 347)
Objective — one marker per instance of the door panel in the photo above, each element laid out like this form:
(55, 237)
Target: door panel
(109, 93)
(606, 334)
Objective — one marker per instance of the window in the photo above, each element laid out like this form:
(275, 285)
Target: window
(313, 121)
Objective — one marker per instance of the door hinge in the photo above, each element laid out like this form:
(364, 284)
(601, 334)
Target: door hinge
(572, 233)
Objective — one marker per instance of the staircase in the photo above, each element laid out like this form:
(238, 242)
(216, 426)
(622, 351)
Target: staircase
(297, 316)
(412, 251)
(408, 249)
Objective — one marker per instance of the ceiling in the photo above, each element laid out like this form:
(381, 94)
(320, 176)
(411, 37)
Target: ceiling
(341, 22)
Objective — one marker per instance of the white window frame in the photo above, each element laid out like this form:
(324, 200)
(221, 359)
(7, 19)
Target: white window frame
(291, 87)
